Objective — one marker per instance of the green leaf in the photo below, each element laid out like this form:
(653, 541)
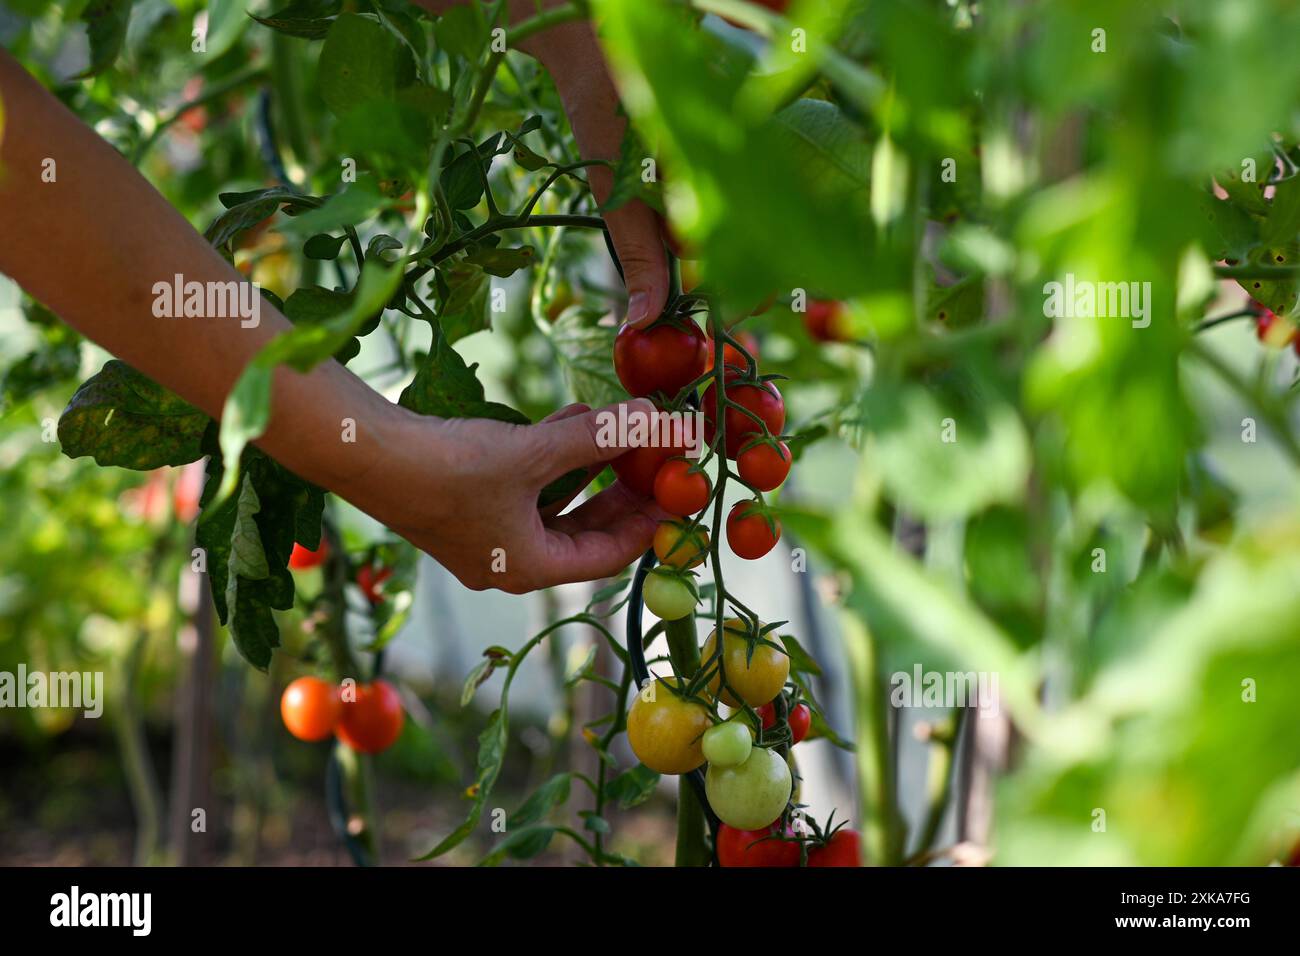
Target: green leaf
(631, 788)
(1284, 213)
(57, 359)
(551, 794)
(491, 753)
(248, 538)
(323, 246)
(356, 202)
(584, 346)
(801, 662)
(502, 262)
(120, 417)
(359, 63)
(448, 388)
(305, 19)
(521, 845)
(106, 22)
(462, 31)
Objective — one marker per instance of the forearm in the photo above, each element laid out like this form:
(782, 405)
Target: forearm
(92, 243)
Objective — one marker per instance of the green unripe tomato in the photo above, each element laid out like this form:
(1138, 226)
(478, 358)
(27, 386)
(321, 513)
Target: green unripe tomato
(668, 596)
(752, 795)
(727, 744)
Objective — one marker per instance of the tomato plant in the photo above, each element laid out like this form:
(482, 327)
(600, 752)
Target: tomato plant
(844, 848)
(302, 559)
(681, 544)
(680, 489)
(764, 466)
(669, 595)
(750, 408)
(755, 668)
(727, 744)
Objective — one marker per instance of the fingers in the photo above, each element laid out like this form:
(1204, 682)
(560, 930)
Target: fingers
(586, 439)
(634, 229)
(606, 508)
(591, 554)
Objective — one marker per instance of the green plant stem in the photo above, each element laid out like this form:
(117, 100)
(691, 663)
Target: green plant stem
(1257, 271)
(939, 781)
(871, 726)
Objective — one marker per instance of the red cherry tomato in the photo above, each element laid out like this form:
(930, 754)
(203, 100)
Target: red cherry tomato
(371, 580)
(638, 467)
(760, 398)
(663, 358)
(764, 467)
(301, 559)
(751, 848)
(748, 532)
(824, 321)
(843, 849)
(371, 723)
(680, 491)
(799, 719)
(310, 708)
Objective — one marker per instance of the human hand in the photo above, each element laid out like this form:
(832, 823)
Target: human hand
(465, 491)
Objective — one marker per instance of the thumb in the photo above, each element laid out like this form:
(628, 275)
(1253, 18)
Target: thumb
(634, 230)
(590, 438)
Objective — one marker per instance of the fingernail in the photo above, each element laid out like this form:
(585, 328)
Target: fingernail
(638, 308)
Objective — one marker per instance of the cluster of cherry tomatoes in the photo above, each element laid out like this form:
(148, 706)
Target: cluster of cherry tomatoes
(748, 782)
(366, 717)
(662, 362)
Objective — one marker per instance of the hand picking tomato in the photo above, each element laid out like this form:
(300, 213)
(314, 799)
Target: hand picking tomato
(371, 582)
(844, 848)
(679, 490)
(663, 358)
(300, 559)
(752, 795)
(666, 732)
(760, 398)
(310, 708)
(667, 595)
(748, 531)
(753, 848)
(799, 718)
(638, 467)
(676, 544)
(757, 678)
(728, 744)
(762, 466)
(371, 723)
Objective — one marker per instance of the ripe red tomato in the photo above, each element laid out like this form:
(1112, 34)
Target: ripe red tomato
(663, 358)
(371, 582)
(748, 532)
(763, 467)
(732, 357)
(637, 468)
(371, 723)
(743, 848)
(680, 491)
(843, 849)
(760, 398)
(300, 559)
(310, 708)
(799, 719)
(825, 321)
